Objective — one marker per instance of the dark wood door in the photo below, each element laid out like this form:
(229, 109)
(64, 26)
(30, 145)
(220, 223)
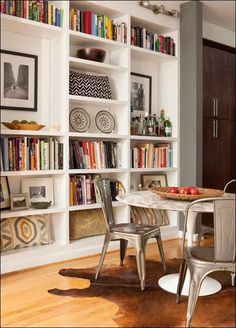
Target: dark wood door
(231, 85)
(219, 154)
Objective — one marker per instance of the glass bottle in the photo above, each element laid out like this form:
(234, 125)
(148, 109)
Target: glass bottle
(161, 120)
(168, 128)
(151, 125)
(155, 124)
(140, 124)
(133, 130)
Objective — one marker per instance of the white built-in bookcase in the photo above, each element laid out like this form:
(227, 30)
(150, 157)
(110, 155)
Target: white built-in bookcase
(56, 50)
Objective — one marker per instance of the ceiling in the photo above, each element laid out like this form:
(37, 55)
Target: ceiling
(221, 13)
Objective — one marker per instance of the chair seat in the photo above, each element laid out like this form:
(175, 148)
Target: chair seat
(130, 228)
(205, 254)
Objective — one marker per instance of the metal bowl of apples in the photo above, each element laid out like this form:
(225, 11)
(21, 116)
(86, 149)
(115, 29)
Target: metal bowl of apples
(186, 193)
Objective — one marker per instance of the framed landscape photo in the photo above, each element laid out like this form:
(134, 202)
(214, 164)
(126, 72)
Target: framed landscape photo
(4, 193)
(141, 94)
(38, 189)
(153, 180)
(19, 81)
(19, 202)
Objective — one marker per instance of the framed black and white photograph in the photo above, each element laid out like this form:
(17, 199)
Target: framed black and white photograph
(19, 202)
(153, 180)
(38, 189)
(4, 193)
(19, 81)
(141, 94)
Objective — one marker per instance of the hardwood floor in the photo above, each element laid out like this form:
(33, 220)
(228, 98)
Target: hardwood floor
(26, 303)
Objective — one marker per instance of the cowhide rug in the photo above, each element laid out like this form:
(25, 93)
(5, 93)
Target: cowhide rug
(153, 307)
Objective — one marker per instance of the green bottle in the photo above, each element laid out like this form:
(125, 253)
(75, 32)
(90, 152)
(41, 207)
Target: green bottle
(161, 120)
(168, 128)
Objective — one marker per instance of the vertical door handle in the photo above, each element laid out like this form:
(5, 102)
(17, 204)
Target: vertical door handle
(216, 128)
(216, 106)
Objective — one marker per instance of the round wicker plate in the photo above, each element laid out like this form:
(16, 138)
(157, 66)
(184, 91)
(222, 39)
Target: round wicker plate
(203, 193)
(23, 126)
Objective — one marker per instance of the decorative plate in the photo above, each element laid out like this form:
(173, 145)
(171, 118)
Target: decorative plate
(203, 193)
(23, 126)
(105, 121)
(79, 119)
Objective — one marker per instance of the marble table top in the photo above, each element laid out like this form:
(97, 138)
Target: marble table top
(149, 199)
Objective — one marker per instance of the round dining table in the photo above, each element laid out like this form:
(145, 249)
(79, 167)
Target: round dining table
(148, 199)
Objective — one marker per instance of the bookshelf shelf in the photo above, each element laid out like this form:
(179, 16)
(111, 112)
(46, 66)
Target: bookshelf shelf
(162, 169)
(33, 172)
(96, 101)
(97, 135)
(92, 66)
(150, 55)
(96, 171)
(150, 138)
(87, 40)
(92, 206)
(30, 28)
(41, 133)
(52, 209)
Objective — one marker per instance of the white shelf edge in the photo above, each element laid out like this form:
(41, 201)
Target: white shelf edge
(161, 169)
(80, 35)
(29, 27)
(146, 54)
(97, 135)
(31, 211)
(93, 206)
(96, 66)
(162, 139)
(33, 133)
(36, 172)
(96, 171)
(91, 100)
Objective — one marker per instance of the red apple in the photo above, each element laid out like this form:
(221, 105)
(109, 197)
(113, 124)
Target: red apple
(187, 190)
(173, 190)
(181, 190)
(193, 191)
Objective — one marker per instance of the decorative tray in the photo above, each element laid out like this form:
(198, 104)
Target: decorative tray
(203, 193)
(23, 126)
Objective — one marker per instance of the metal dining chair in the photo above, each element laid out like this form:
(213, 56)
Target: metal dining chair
(208, 230)
(203, 260)
(136, 234)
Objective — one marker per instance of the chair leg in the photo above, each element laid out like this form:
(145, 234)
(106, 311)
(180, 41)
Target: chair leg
(123, 248)
(182, 275)
(104, 249)
(194, 289)
(160, 246)
(233, 276)
(140, 258)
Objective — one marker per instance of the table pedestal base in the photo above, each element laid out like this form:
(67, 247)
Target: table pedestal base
(169, 282)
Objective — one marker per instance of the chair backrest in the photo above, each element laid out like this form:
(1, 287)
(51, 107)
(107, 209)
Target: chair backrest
(224, 225)
(103, 187)
(224, 230)
(228, 185)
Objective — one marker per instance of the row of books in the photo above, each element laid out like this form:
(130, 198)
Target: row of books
(152, 156)
(83, 190)
(95, 154)
(97, 25)
(26, 153)
(140, 37)
(43, 11)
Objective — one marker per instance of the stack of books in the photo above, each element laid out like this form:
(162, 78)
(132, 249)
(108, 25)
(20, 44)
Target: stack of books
(97, 25)
(43, 11)
(26, 153)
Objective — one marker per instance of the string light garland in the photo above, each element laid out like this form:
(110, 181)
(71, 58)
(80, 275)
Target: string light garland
(159, 9)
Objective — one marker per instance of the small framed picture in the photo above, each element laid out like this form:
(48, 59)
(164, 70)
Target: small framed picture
(19, 81)
(153, 180)
(141, 94)
(19, 201)
(38, 189)
(4, 193)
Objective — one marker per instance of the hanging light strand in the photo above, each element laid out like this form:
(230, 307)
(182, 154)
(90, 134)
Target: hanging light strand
(159, 9)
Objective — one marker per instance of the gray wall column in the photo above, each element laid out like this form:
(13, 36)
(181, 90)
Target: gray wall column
(190, 95)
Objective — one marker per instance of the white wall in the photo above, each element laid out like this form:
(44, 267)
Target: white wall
(218, 34)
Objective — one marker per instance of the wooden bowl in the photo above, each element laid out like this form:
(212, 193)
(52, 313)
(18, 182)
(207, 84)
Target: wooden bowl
(94, 54)
(23, 126)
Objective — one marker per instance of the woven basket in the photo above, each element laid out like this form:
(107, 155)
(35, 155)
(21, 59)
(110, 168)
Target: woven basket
(203, 193)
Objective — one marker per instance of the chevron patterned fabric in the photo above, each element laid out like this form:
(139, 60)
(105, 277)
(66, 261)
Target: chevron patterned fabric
(89, 85)
(24, 231)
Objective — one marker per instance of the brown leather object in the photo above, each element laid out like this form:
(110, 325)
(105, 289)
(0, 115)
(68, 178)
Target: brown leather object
(153, 307)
